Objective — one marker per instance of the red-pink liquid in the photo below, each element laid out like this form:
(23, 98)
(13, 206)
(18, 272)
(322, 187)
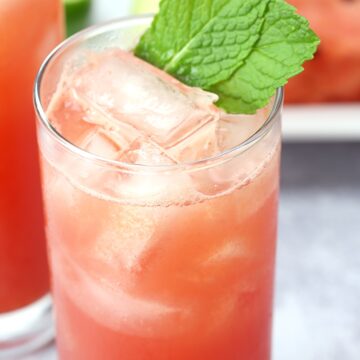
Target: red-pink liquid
(201, 289)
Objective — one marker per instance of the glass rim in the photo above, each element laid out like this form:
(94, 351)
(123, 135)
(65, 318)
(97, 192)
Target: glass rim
(104, 27)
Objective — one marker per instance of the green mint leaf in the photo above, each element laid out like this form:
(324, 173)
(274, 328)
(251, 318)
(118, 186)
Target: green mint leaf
(242, 50)
(285, 43)
(202, 42)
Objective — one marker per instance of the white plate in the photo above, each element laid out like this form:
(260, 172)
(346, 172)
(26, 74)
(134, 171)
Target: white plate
(335, 122)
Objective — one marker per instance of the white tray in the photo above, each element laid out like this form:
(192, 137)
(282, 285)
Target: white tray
(336, 122)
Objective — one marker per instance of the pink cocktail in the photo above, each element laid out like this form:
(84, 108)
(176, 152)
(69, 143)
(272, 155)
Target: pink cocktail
(161, 233)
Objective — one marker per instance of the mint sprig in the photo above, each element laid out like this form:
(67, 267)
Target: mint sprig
(284, 44)
(242, 50)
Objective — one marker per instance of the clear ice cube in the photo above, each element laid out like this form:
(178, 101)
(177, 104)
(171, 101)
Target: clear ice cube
(139, 94)
(226, 252)
(146, 152)
(127, 237)
(115, 308)
(201, 144)
(231, 131)
(152, 117)
(102, 143)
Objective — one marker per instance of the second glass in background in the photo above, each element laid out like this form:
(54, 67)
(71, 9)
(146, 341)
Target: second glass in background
(28, 31)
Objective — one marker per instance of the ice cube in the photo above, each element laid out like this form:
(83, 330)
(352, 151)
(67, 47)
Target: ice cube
(233, 130)
(198, 145)
(119, 107)
(229, 251)
(113, 307)
(146, 152)
(85, 173)
(126, 237)
(102, 143)
(134, 92)
(150, 189)
(127, 314)
(66, 114)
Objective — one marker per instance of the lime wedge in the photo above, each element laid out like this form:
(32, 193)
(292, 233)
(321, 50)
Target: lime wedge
(145, 6)
(70, 2)
(77, 15)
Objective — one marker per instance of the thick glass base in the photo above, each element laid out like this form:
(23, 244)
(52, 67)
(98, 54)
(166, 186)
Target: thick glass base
(26, 330)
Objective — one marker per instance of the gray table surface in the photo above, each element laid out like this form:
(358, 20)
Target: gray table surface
(318, 267)
(318, 270)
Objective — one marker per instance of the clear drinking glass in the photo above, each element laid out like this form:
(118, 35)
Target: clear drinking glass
(166, 261)
(28, 31)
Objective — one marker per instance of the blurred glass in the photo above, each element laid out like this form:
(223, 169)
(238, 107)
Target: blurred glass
(28, 31)
(334, 75)
(77, 15)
